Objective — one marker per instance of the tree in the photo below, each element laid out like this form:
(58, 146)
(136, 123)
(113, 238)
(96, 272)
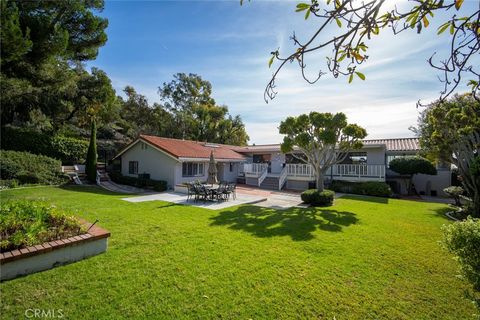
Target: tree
(321, 140)
(41, 41)
(359, 22)
(410, 166)
(196, 116)
(91, 162)
(450, 131)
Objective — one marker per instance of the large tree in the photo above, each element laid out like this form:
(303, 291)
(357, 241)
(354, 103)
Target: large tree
(196, 115)
(450, 131)
(321, 140)
(358, 23)
(41, 41)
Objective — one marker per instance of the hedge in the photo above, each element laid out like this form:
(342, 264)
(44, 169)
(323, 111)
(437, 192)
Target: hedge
(318, 198)
(368, 188)
(27, 168)
(157, 185)
(68, 150)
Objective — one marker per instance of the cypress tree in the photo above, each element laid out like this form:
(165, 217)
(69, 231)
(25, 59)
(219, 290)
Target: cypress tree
(91, 163)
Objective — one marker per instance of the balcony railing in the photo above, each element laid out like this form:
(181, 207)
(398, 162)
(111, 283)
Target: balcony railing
(254, 168)
(342, 171)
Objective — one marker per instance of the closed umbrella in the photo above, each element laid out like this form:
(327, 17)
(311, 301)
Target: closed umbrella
(212, 170)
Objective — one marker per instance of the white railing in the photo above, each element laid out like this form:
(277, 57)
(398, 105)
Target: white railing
(358, 171)
(254, 168)
(300, 170)
(263, 175)
(282, 178)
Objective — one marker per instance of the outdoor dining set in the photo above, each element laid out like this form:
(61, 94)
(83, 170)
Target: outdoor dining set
(211, 192)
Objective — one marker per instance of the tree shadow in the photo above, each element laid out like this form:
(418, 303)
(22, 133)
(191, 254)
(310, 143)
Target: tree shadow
(92, 188)
(365, 198)
(298, 223)
(441, 212)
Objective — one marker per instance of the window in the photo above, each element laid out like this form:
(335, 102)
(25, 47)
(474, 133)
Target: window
(231, 166)
(132, 167)
(144, 146)
(192, 169)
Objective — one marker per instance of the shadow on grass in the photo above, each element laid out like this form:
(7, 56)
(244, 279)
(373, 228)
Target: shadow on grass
(298, 223)
(441, 212)
(365, 198)
(92, 188)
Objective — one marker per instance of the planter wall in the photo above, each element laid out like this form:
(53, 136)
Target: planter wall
(52, 254)
(180, 188)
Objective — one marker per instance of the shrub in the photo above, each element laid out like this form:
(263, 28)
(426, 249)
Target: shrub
(368, 188)
(318, 198)
(410, 166)
(68, 150)
(463, 240)
(455, 193)
(27, 223)
(7, 184)
(30, 168)
(157, 185)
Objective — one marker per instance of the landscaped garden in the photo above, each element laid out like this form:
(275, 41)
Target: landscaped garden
(362, 258)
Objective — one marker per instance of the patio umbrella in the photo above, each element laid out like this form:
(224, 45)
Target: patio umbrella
(212, 170)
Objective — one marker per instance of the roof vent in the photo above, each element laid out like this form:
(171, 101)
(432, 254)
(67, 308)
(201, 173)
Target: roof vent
(211, 145)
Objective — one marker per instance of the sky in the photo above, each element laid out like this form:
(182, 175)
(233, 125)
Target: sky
(229, 45)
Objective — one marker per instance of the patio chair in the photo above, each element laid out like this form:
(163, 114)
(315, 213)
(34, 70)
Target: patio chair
(202, 193)
(190, 190)
(232, 188)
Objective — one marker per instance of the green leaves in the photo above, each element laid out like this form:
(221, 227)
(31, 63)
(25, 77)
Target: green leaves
(271, 61)
(443, 27)
(360, 75)
(339, 23)
(350, 79)
(302, 7)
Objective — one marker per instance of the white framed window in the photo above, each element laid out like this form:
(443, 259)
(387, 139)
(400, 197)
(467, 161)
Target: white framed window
(192, 169)
(231, 166)
(132, 167)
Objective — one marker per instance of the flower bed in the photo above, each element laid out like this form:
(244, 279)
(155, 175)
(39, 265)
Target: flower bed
(36, 236)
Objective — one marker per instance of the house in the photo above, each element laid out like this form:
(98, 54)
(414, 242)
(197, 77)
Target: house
(178, 161)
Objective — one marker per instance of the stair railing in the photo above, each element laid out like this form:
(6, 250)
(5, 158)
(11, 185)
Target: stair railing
(282, 178)
(263, 175)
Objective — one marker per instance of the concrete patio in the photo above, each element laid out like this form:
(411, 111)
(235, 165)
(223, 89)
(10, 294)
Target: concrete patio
(181, 198)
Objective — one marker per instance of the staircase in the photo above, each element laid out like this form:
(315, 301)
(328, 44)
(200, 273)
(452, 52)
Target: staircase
(270, 183)
(103, 174)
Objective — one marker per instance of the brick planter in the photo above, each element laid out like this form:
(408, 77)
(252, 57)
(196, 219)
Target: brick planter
(51, 254)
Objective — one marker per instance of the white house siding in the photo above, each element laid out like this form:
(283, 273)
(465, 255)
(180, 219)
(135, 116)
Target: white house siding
(152, 161)
(375, 155)
(426, 183)
(224, 173)
(278, 159)
(297, 184)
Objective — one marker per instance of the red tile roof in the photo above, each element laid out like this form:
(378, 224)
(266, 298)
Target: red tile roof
(193, 149)
(400, 144)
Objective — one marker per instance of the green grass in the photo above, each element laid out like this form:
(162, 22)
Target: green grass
(363, 258)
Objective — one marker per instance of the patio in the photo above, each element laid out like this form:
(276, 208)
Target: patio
(181, 198)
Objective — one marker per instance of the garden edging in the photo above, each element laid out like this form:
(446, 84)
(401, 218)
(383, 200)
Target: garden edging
(53, 253)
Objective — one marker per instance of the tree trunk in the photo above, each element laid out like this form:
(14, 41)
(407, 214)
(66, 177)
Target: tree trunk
(476, 204)
(319, 181)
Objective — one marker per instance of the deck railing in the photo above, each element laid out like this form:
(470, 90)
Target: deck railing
(282, 178)
(340, 170)
(254, 168)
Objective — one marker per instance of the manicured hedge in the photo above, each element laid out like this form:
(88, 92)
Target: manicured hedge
(157, 185)
(68, 150)
(368, 188)
(27, 168)
(28, 223)
(317, 198)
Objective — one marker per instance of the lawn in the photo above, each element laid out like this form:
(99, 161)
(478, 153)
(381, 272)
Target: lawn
(363, 258)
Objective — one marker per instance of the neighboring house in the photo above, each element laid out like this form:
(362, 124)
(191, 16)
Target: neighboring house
(178, 161)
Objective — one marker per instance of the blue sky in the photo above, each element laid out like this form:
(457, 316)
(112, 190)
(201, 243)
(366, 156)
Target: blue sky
(229, 45)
